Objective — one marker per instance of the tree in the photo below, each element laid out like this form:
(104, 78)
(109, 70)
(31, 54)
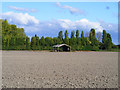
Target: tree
(90, 36)
(72, 34)
(55, 40)
(93, 32)
(20, 43)
(42, 43)
(104, 37)
(15, 38)
(82, 35)
(60, 37)
(108, 42)
(20, 32)
(12, 43)
(77, 34)
(48, 43)
(4, 40)
(66, 39)
(37, 42)
(66, 34)
(5, 26)
(109, 36)
(78, 44)
(82, 39)
(27, 43)
(87, 42)
(78, 41)
(8, 43)
(73, 40)
(94, 41)
(33, 43)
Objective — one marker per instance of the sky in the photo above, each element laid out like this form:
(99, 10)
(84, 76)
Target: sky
(48, 18)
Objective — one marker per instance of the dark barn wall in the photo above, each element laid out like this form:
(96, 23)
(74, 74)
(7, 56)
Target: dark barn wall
(65, 48)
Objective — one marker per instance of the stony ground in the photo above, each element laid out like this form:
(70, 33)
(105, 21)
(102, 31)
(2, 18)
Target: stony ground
(34, 69)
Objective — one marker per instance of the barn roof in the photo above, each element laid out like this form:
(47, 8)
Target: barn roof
(60, 45)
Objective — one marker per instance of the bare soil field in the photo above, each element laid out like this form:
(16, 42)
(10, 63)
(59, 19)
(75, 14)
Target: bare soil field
(35, 69)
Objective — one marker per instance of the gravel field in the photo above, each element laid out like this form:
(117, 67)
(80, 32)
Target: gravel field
(41, 69)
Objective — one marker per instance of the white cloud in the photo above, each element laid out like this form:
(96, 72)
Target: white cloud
(20, 18)
(51, 28)
(80, 24)
(72, 10)
(30, 23)
(111, 27)
(22, 9)
(67, 24)
(33, 25)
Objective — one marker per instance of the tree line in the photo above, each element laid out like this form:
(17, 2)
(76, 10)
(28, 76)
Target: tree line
(14, 38)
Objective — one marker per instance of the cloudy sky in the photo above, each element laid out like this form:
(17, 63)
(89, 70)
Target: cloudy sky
(48, 18)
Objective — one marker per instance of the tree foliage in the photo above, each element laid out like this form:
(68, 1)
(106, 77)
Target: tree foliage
(14, 38)
(66, 39)
(60, 37)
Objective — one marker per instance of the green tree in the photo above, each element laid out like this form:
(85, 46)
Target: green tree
(108, 43)
(77, 33)
(5, 27)
(12, 43)
(55, 40)
(37, 42)
(60, 37)
(8, 41)
(82, 39)
(73, 34)
(42, 42)
(90, 36)
(14, 38)
(4, 40)
(78, 41)
(78, 44)
(27, 43)
(20, 43)
(48, 43)
(104, 39)
(73, 40)
(33, 43)
(82, 35)
(66, 39)
(94, 41)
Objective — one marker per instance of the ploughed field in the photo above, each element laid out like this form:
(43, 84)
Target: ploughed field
(40, 69)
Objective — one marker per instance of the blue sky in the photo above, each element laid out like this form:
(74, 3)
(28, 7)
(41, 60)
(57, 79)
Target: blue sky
(48, 18)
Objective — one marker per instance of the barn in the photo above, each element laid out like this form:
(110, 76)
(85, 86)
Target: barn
(62, 47)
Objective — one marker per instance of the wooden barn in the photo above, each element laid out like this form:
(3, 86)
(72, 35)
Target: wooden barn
(62, 47)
